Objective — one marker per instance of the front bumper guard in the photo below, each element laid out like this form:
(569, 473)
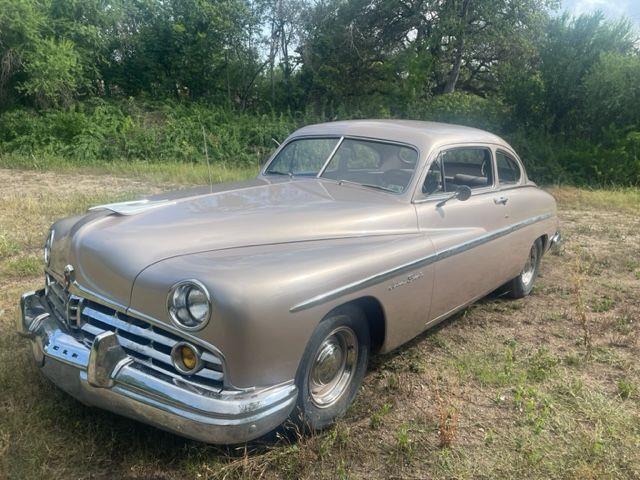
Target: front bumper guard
(556, 242)
(105, 376)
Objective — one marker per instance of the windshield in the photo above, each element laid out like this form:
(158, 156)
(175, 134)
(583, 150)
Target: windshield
(370, 163)
(303, 157)
(374, 164)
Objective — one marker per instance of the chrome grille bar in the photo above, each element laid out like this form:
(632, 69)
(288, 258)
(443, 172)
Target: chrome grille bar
(149, 345)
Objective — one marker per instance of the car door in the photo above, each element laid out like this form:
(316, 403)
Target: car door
(510, 180)
(469, 249)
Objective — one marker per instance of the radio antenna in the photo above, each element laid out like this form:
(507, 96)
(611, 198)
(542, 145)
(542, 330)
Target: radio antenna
(206, 154)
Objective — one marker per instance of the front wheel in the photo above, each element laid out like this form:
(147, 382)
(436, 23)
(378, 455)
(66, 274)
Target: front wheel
(522, 285)
(332, 367)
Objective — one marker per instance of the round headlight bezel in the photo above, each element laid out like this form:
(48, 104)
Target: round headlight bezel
(47, 247)
(172, 308)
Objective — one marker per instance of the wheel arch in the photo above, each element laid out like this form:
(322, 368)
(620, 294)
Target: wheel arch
(376, 318)
(545, 241)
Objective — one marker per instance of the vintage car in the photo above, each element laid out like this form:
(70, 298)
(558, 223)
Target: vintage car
(218, 313)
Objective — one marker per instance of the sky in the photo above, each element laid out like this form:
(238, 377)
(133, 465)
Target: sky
(613, 9)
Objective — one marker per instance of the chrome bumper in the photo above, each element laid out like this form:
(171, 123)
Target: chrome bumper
(105, 376)
(555, 241)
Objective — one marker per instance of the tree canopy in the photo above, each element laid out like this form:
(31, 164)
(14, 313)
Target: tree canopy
(515, 66)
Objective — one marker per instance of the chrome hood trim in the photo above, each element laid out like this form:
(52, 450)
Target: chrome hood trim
(133, 207)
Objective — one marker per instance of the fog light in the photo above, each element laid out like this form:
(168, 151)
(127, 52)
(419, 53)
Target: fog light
(189, 358)
(186, 358)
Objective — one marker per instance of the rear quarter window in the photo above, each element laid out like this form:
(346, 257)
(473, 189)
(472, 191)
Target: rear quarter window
(509, 171)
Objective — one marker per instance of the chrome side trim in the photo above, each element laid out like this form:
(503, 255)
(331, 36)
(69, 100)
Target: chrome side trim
(420, 262)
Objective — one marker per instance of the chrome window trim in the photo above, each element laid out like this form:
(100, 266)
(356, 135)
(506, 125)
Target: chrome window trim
(420, 262)
(275, 154)
(518, 163)
(419, 197)
(330, 157)
(408, 190)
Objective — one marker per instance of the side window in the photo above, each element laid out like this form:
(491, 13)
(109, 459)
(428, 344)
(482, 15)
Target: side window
(434, 182)
(457, 167)
(508, 169)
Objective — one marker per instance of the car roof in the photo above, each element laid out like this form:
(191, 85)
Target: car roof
(424, 135)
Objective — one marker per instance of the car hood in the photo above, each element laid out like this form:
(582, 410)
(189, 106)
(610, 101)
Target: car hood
(110, 246)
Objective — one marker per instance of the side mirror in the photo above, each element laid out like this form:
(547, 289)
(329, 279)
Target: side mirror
(462, 193)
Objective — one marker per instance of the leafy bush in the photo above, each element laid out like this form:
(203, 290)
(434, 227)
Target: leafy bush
(102, 131)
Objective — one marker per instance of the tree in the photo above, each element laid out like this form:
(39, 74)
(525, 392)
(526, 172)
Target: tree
(570, 50)
(20, 25)
(610, 93)
(52, 70)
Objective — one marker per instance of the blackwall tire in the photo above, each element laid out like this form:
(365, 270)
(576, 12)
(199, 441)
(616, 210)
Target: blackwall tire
(522, 285)
(332, 368)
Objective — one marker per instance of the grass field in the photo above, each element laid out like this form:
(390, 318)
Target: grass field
(543, 387)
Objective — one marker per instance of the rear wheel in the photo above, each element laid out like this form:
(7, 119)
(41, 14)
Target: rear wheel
(522, 285)
(332, 367)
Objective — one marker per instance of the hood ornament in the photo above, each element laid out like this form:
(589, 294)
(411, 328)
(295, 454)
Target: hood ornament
(133, 207)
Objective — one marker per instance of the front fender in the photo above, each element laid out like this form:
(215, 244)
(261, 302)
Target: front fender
(255, 291)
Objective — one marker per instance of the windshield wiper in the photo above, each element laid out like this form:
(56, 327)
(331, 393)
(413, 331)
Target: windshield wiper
(276, 172)
(368, 185)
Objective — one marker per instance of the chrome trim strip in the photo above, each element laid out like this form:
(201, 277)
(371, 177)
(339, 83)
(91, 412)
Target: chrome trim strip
(181, 333)
(420, 262)
(80, 291)
(133, 207)
(328, 160)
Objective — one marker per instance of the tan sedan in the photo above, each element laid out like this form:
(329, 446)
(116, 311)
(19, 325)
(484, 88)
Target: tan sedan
(219, 313)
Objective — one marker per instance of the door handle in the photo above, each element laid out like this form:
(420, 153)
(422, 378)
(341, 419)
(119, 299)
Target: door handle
(500, 200)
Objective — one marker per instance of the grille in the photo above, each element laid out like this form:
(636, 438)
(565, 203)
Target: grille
(150, 346)
(64, 306)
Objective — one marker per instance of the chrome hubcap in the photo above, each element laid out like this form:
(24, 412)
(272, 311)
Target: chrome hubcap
(530, 267)
(333, 367)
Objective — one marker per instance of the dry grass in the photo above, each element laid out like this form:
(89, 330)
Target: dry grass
(447, 413)
(515, 396)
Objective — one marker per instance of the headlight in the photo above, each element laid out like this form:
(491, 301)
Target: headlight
(47, 247)
(189, 305)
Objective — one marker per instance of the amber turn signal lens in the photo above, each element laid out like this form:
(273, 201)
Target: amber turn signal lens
(186, 358)
(189, 357)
